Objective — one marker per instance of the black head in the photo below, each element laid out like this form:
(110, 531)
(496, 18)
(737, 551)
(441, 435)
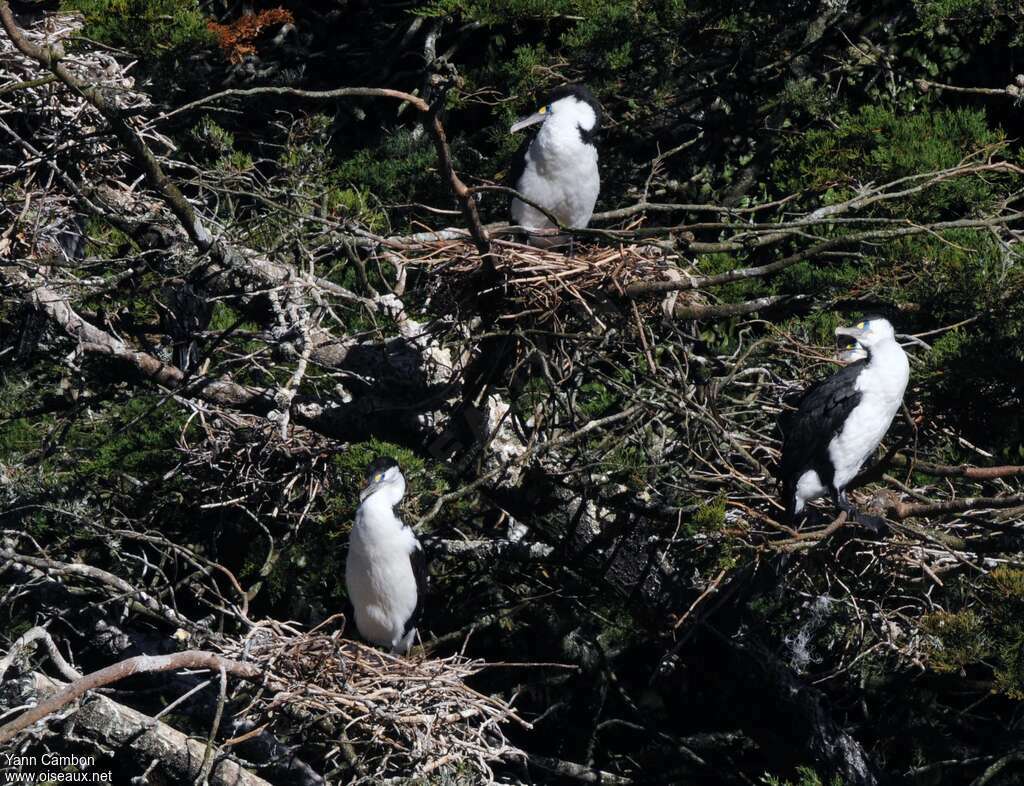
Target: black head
(580, 93)
(869, 332)
(379, 466)
(569, 106)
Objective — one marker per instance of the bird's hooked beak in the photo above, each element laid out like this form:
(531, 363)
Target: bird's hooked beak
(372, 485)
(854, 332)
(851, 350)
(851, 353)
(537, 117)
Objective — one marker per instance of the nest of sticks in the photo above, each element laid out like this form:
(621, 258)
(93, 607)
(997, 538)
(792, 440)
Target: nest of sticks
(541, 286)
(382, 714)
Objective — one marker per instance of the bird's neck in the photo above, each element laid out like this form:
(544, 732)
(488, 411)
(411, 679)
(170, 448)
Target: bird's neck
(890, 361)
(885, 352)
(561, 136)
(384, 499)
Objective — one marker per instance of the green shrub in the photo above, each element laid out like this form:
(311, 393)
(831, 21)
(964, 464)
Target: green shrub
(146, 27)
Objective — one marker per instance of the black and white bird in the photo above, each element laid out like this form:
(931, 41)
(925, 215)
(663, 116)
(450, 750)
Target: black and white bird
(557, 169)
(841, 420)
(386, 571)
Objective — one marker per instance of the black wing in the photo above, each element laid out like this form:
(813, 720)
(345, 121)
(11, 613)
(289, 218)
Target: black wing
(518, 164)
(418, 559)
(806, 433)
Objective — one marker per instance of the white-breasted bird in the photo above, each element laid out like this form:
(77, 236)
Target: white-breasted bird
(557, 169)
(841, 420)
(386, 571)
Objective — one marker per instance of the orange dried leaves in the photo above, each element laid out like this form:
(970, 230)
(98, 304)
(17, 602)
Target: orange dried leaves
(238, 38)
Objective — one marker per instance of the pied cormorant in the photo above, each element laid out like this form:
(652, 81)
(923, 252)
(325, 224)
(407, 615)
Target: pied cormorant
(557, 169)
(386, 570)
(840, 421)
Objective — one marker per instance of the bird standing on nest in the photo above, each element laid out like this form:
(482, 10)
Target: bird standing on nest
(386, 570)
(840, 421)
(557, 169)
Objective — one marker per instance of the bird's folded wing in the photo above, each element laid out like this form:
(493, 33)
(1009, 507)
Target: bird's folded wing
(821, 412)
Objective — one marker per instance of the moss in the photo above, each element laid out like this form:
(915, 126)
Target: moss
(595, 399)
(710, 516)
(960, 639)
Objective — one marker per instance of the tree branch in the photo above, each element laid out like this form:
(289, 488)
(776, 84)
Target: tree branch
(142, 664)
(907, 510)
(113, 724)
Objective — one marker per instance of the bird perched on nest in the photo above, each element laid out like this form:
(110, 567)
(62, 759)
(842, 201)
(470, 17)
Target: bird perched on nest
(386, 570)
(840, 421)
(557, 169)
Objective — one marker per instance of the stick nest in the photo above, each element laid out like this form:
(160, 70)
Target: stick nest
(541, 286)
(383, 713)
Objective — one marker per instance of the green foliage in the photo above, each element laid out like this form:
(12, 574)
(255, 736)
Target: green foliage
(350, 188)
(224, 317)
(103, 240)
(116, 435)
(401, 168)
(710, 516)
(219, 144)
(1008, 605)
(963, 639)
(595, 399)
(961, 636)
(139, 437)
(879, 143)
(982, 18)
(19, 435)
(628, 463)
(935, 11)
(806, 97)
(146, 27)
(495, 12)
(807, 776)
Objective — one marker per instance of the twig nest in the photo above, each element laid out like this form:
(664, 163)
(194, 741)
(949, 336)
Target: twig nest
(404, 715)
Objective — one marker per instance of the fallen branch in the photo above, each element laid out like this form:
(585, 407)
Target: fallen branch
(578, 772)
(907, 510)
(962, 471)
(494, 549)
(115, 725)
(142, 664)
(29, 637)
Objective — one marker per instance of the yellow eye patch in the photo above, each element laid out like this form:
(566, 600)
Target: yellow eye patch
(378, 477)
(542, 111)
(862, 325)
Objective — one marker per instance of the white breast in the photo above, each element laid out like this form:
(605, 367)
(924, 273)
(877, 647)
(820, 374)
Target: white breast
(808, 487)
(379, 576)
(561, 175)
(881, 384)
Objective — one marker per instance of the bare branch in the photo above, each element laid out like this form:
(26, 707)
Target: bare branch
(113, 724)
(143, 664)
